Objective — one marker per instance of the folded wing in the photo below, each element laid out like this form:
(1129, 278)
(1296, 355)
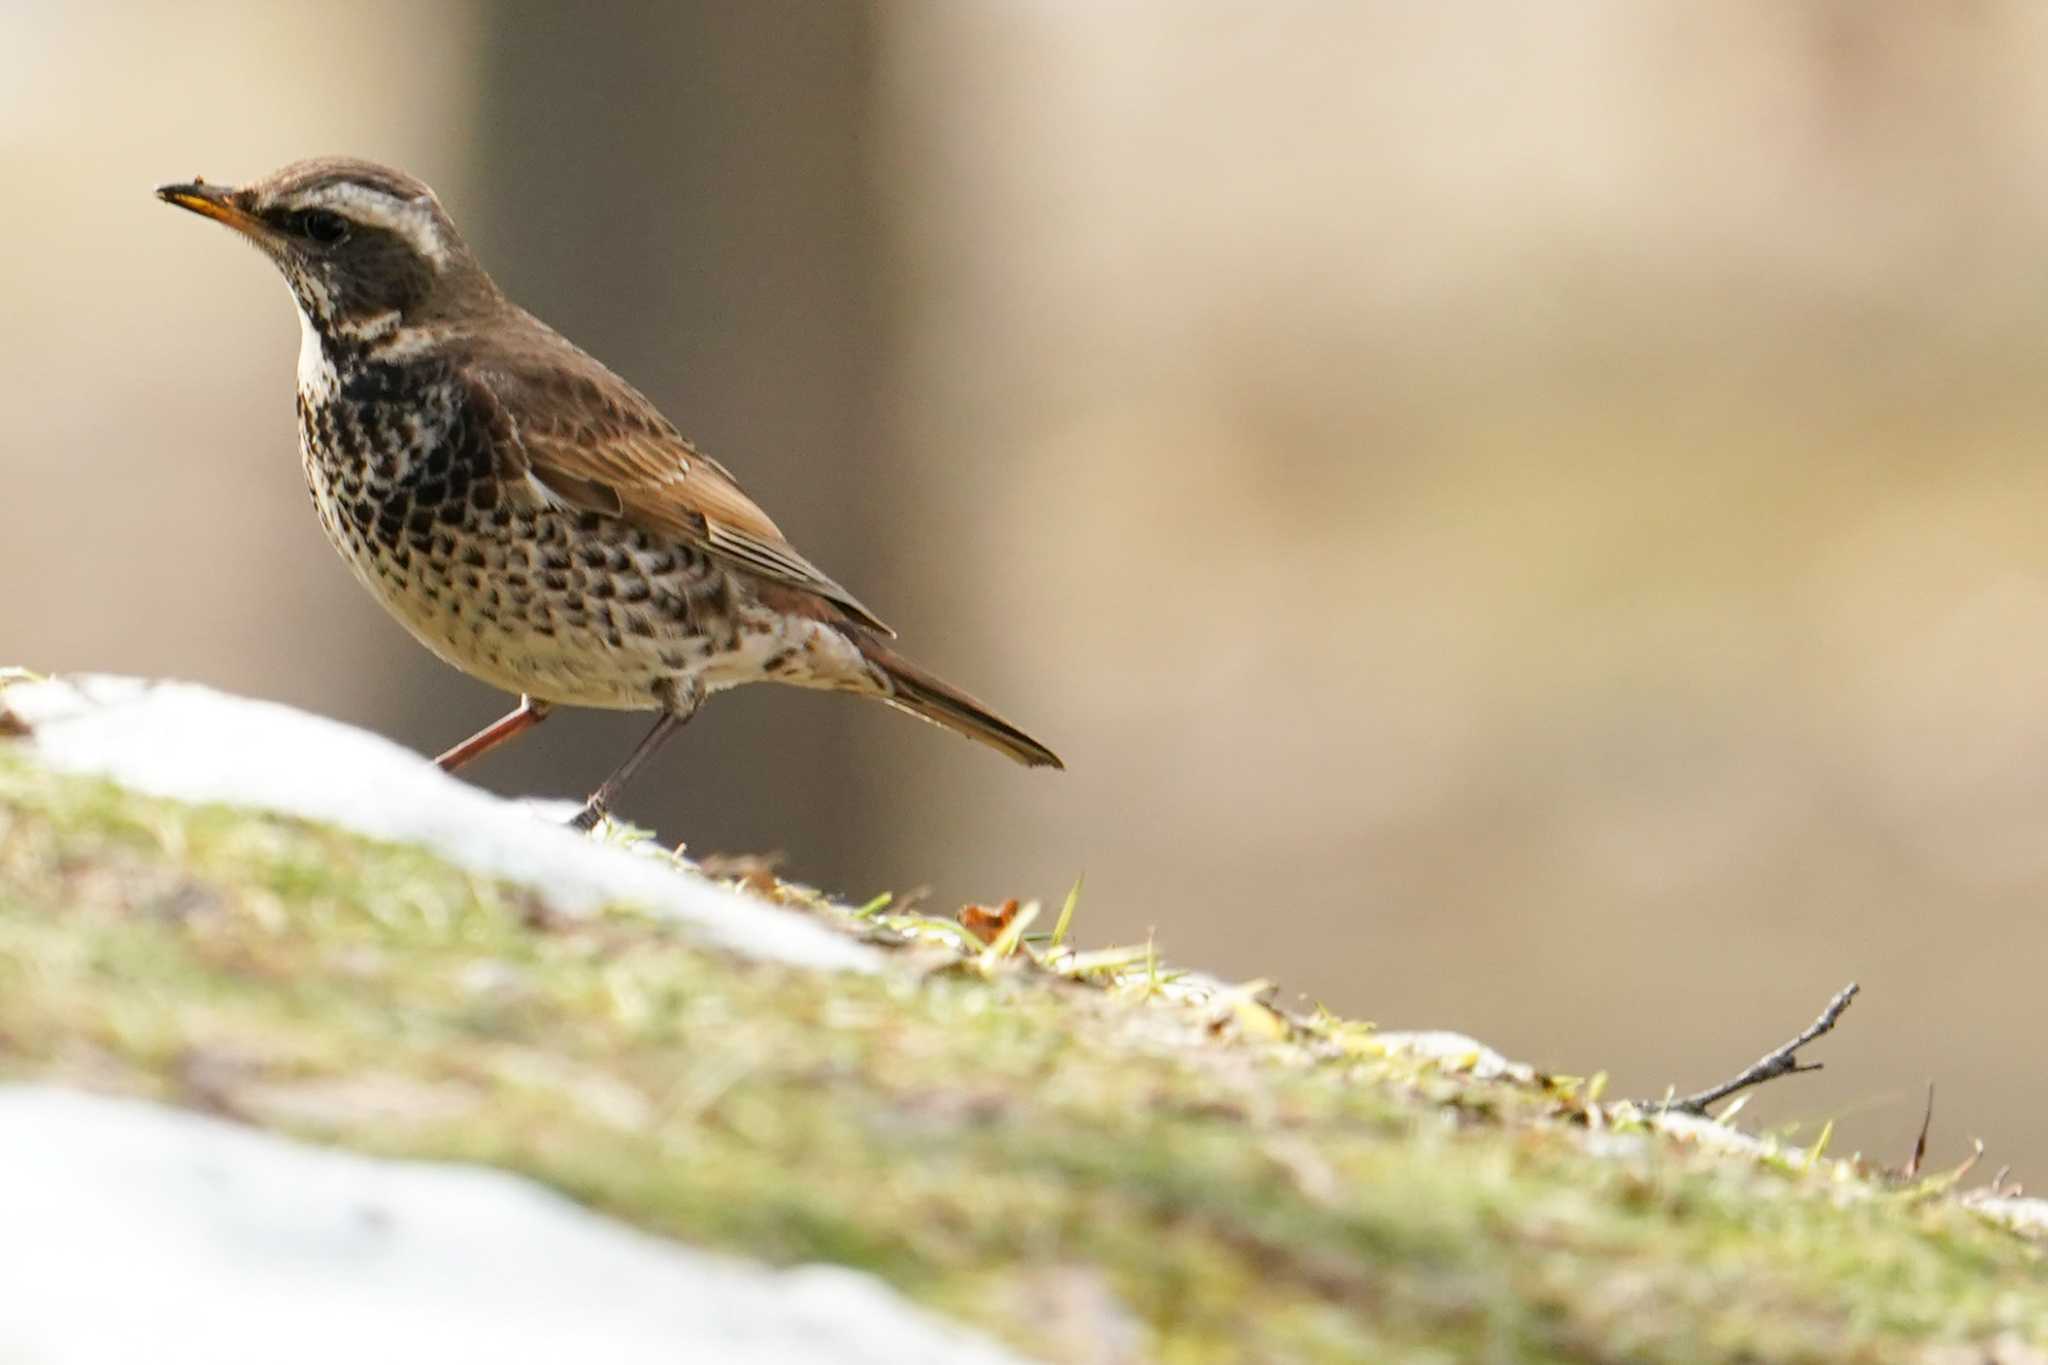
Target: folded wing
(602, 447)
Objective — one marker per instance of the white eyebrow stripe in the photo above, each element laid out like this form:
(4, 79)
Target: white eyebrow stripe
(414, 218)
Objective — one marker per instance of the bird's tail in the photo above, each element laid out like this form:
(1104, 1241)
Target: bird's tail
(910, 688)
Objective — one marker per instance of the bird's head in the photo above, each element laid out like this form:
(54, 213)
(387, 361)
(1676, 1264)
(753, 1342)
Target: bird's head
(362, 246)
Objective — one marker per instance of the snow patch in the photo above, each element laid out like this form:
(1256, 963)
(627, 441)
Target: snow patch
(192, 743)
(135, 1232)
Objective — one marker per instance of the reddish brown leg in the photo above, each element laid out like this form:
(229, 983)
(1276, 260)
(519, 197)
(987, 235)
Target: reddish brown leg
(528, 714)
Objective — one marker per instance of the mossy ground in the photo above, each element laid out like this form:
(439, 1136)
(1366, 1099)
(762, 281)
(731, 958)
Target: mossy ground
(1067, 1151)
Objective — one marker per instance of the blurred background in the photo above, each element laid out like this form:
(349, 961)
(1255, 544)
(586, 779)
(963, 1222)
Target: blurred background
(1530, 520)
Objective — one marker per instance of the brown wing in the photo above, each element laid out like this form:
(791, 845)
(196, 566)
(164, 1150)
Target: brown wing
(589, 440)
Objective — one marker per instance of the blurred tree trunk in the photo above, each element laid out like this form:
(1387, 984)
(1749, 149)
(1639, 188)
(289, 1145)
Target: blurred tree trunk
(683, 189)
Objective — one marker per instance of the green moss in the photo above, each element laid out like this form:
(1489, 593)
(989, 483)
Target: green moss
(1059, 1149)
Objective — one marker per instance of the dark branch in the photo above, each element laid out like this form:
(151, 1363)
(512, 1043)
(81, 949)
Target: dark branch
(1784, 1061)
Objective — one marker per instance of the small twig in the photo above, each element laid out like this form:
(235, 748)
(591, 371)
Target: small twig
(1784, 1061)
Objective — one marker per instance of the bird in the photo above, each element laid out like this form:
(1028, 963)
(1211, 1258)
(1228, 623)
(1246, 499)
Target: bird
(528, 515)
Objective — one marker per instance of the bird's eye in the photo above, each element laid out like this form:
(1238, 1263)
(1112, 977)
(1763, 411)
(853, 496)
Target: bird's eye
(321, 226)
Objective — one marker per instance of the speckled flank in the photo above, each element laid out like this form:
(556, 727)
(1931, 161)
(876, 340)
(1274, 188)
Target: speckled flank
(565, 606)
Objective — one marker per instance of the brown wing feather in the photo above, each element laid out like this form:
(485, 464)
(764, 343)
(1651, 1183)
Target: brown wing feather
(594, 442)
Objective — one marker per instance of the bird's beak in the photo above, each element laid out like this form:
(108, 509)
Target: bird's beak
(212, 201)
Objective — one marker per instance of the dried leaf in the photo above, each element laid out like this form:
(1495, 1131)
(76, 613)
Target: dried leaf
(987, 923)
(738, 866)
(1005, 943)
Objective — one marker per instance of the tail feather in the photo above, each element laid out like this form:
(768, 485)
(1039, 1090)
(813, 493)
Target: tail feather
(912, 689)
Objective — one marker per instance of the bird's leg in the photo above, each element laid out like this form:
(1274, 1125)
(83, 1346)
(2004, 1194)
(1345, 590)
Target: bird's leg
(683, 701)
(524, 717)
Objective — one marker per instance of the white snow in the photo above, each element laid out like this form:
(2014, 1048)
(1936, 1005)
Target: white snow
(195, 744)
(133, 1232)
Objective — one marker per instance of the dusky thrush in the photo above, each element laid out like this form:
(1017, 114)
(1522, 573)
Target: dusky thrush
(527, 514)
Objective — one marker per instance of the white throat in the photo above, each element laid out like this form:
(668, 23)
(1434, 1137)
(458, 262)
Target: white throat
(316, 372)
